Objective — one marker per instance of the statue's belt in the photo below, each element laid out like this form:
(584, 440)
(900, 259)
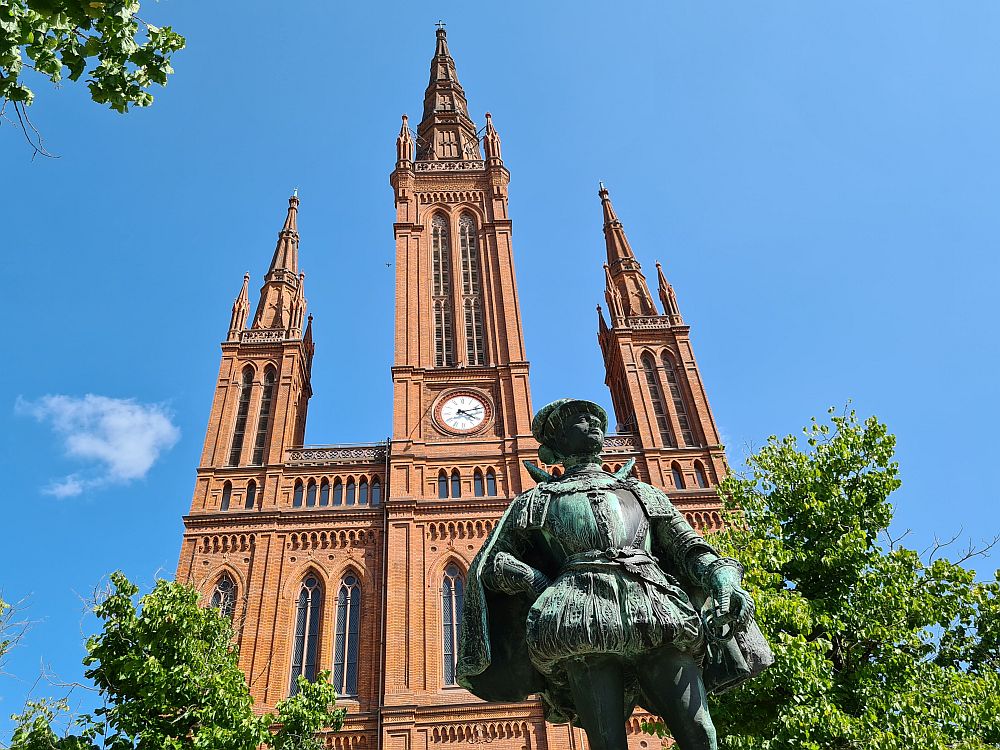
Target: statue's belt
(632, 560)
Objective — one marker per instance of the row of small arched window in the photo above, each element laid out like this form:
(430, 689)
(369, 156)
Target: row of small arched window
(483, 484)
(340, 492)
(249, 497)
(309, 614)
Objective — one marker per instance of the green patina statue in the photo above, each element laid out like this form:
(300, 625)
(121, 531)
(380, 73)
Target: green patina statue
(594, 591)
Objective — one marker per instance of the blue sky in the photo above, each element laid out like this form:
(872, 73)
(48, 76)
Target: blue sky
(819, 179)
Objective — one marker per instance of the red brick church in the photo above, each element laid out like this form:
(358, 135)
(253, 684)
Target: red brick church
(351, 558)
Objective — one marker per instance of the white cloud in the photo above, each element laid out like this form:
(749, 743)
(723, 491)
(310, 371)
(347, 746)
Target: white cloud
(120, 438)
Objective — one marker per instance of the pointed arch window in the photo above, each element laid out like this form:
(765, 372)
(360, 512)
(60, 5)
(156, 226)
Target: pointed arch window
(491, 483)
(442, 484)
(376, 492)
(345, 652)
(452, 597)
(242, 411)
(311, 493)
(251, 499)
(349, 499)
(338, 492)
(444, 348)
(674, 384)
(363, 491)
(324, 492)
(456, 483)
(224, 596)
(678, 476)
(699, 473)
(297, 497)
(308, 610)
(478, 487)
(472, 307)
(227, 495)
(264, 420)
(656, 401)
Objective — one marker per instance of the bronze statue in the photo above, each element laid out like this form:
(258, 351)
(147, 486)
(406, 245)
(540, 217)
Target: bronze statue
(594, 591)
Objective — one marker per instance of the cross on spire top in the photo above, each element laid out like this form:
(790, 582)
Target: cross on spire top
(440, 25)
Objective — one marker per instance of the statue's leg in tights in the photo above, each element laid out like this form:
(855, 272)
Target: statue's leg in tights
(598, 690)
(672, 689)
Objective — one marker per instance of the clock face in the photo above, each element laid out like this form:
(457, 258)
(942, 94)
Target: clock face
(463, 412)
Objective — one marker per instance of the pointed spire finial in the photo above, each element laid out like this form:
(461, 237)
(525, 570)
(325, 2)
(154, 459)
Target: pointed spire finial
(668, 297)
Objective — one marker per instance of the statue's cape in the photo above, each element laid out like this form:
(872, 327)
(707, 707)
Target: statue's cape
(493, 660)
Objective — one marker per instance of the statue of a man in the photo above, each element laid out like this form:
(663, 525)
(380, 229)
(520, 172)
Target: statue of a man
(594, 591)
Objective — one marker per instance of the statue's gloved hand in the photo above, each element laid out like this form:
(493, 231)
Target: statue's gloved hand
(513, 576)
(733, 602)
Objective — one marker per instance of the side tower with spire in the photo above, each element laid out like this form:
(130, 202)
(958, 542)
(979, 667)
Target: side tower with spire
(656, 388)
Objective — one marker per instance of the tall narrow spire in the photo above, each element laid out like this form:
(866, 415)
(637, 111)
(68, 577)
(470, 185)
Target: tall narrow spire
(404, 145)
(446, 131)
(623, 270)
(667, 296)
(241, 310)
(491, 143)
(282, 304)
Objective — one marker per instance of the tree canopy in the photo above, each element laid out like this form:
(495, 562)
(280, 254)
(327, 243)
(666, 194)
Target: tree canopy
(876, 645)
(167, 675)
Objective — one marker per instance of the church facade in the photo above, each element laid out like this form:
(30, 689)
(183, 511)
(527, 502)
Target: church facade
(352, 557)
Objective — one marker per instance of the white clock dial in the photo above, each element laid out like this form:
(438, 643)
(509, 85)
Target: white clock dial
(463, 412)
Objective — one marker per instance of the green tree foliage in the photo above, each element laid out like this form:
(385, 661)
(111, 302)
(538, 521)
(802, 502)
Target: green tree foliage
(877, 646)
(121, 55)
(167, 674)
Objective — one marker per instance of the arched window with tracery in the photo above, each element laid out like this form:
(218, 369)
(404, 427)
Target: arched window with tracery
(656, 401)
(442, 484)
(251, 499)
(349, 493)
(491, 483)
(376, 492)
(472, 305)
(700, 475)
(224, 596)
(264, 420)
(456, 483)
(297, 496)
(308, 610)
(444, 335)
(227, 495)
(242, 411)
(478, 486)
(452, 596)
(677, 396)
(338, 492)
(678, 476)
(324, 492)
(311, 493)
(363, 491)
(345, 652)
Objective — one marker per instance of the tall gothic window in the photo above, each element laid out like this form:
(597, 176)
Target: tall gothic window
(442, 484)
(452, 595)
(472, 306)
(376, 492)
(699, 474)
(308, 610)
(345, 652)
(251, 499)
(227, 495)
(297, 498)
(349, 499)
(338, 492)
(224, 596)
(444, 335)
(242, 410)
(363, 491)
(456, 483)
(311, 493)
(678, 398)
(656, 400)
(324, 492)
(491, 483)
(263, 422)
(478, 489)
